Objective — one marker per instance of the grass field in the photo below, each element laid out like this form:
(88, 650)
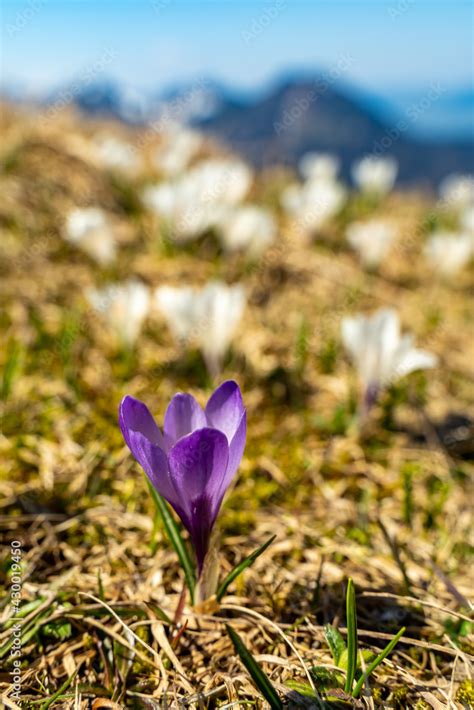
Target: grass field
(104, 620)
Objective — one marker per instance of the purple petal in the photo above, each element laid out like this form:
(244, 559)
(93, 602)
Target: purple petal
(183, 416)
(225, 409)
(200, 527)
(154, 462)
(146, 443)
(135, 416)
(236, 451)
(198, 464)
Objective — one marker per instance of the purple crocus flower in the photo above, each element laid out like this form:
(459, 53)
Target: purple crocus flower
(192, 463)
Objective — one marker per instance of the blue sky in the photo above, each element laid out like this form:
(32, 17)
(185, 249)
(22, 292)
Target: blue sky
(392, 43)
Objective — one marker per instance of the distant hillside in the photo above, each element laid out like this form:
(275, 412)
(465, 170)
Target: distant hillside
(297, 116)
(308, 115)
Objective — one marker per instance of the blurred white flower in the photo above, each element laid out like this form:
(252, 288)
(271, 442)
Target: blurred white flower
(178, 147)
(467, 219)
(314, 203)
(371, 239)
(250, 228)
(116, 154)
(195, 201)
(380, 353)
(449, 252)
(187, 217)
(225, 180)
(123, 306)
(161, 199)
(375, 175)
(178, 306)
(208, 317)
(319, 166)
(457, 191)
(220, 310)
(89, 229)
(291, 198)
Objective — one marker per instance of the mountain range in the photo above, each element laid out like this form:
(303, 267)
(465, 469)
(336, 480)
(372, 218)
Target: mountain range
(296, 115)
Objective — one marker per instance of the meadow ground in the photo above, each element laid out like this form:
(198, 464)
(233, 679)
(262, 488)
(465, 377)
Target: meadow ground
(389, 508)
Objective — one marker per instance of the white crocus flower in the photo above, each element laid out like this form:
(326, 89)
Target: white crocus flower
(124, 307)
(249, 228)
(208, 317)
(188, 216)
(371, 239)
(89, 229)
(220, 309)
(457, 191)
(449, 252)
(161, 199)
(375, 175)
(225, 180)
(319, 166)
(178, 306)
(314, 203)
(178, 147)
(116, 154)
(380, 353)
(194, 202)
(291, 198)
(467, 219)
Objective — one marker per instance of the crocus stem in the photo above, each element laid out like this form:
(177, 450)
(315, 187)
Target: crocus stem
(181, 604)
(213, 365)
(209, 577)
(366, 402)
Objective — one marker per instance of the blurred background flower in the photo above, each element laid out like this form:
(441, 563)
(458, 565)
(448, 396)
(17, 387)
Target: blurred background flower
(375, 175)
(193, 203)
(380, 353)
(123, 307)
(449, 252)
(90, 229)
(248, 228)
(206, 317)
(371, 239)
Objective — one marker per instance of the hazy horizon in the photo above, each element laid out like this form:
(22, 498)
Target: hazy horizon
(393, 51)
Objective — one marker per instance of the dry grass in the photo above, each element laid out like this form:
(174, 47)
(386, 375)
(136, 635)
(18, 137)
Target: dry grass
(392, 510)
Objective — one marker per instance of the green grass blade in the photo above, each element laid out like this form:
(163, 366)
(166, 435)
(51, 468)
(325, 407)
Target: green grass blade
(242, 566)
(29, 629)
(23, 611)
(176, 540)
(351, 621)
(377, 661)
(260, 678)
(49, 701)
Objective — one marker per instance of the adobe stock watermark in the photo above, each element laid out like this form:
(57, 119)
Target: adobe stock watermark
(399, 8)
(25, 16)
(174, 113)
(16, 628)
(263, 21)
(67, 96)
(318, 88)
(160, 5)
